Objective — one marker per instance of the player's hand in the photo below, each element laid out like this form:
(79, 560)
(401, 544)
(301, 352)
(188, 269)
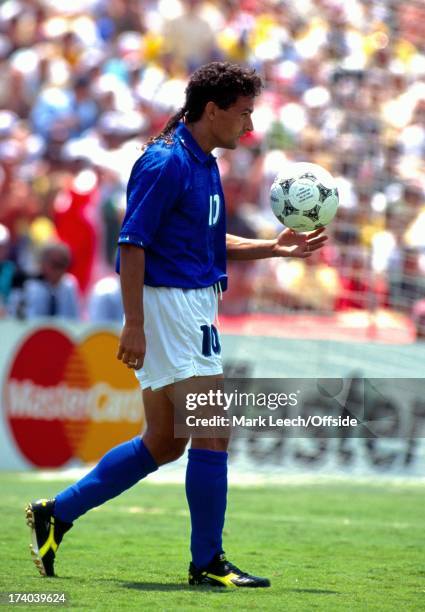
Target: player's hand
(132, 346)
(290, 243)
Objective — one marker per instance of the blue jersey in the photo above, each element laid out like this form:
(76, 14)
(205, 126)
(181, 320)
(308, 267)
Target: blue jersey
(175, 211)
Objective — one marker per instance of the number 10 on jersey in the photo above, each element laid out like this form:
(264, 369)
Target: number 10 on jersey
(210, 340)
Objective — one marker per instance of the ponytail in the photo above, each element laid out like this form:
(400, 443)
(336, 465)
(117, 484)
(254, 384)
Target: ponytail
(169, 128)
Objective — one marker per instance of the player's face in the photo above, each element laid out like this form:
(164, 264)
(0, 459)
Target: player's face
(230, 124)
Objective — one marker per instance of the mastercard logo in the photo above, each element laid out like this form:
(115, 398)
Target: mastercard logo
(66, 399)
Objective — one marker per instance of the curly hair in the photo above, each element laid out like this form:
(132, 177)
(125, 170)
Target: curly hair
(218, 82)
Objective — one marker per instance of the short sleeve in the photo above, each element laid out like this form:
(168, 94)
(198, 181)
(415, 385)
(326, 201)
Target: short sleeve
(155, 185)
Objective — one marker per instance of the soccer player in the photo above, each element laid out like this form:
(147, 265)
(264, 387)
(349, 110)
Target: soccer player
(173, 250)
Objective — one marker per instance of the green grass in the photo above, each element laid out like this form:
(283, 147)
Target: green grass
(325, 547)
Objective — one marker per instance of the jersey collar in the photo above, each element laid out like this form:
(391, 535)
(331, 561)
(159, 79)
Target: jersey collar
(190, 143)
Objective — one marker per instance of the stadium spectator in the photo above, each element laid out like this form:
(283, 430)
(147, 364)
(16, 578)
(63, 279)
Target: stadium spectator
(75, 220)
(360, 289)
(189, 38)
(54, 292)
(19, 203)
(7, 269)
(60, 113)
(418, 316)
(407, 285)
(105, 301)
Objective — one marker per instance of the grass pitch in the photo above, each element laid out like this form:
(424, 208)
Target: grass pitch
(324, 547)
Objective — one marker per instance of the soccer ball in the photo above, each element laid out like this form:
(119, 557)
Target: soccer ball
(304, 197)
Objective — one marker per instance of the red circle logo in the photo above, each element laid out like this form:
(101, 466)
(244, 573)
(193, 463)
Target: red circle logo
(70, 400)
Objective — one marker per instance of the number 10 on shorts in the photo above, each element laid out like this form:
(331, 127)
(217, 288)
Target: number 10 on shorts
(210, 340)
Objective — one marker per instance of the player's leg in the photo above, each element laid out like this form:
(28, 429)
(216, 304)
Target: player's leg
(117, 471)
(206, 477)
(159, 433)
(206, 492)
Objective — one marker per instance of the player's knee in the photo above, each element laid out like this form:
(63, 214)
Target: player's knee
(165, 450)
(177, 450)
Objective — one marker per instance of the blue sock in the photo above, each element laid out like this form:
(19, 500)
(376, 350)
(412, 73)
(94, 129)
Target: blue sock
(117, 471)
(206, 492)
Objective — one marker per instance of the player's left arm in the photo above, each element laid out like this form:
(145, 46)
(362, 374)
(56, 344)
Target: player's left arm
(287, 244)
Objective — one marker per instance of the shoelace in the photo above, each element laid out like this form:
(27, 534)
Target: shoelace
(235, 569)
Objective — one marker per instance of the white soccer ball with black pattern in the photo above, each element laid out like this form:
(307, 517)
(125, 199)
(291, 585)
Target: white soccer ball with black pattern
(304, 197)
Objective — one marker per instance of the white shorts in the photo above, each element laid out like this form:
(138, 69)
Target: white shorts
(181, 339)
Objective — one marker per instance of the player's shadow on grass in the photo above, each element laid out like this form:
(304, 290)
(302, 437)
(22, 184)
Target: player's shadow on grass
(313, 591)
(181, 586)
(160, 586)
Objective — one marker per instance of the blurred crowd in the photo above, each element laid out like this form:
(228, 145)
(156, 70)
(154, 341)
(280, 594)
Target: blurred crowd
(84, 85)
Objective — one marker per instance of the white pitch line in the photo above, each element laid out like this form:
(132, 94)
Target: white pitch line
(283, 518)
(245, 478)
